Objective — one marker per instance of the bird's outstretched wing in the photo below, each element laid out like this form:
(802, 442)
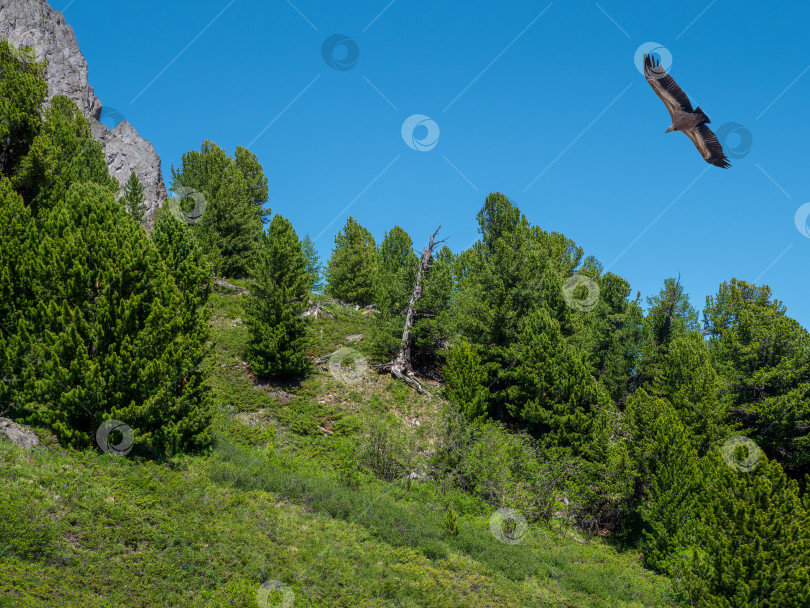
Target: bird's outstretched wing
(708, 146)
(665, 87)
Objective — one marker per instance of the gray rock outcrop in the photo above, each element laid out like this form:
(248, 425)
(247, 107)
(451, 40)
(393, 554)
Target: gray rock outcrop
(18, 434)
(34, 23)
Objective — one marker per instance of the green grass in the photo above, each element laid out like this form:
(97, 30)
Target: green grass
(83, 529)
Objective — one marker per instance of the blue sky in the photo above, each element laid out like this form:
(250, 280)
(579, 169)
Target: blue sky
(539, 100)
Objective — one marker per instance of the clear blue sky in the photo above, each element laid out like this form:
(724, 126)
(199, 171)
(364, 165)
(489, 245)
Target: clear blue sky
(517, 90)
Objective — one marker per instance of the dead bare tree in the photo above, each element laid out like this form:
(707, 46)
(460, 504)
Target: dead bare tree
(401, 367)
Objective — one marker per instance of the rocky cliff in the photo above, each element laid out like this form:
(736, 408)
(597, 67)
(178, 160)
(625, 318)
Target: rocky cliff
(34, 23)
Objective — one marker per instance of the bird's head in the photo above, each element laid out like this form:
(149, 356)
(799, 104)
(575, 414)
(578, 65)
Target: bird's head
(670, 129)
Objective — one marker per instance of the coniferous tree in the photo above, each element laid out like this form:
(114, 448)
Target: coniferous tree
(133, 199)
(188, 266)
(752, 544)
(314, 268)
(277, 299)
(22, 93)
(551, 387)
(670, 316)
(431, 330)
(17, 273)
(256, 181)
(466, 381)
(677, 486)
(396, 272)
(396, 276)
(106, 337)
(352, 269)
(687, 380)
(92, 325)
(230, 223)
(611, 336)
(62, 153)
(764, 358)
(512, 269)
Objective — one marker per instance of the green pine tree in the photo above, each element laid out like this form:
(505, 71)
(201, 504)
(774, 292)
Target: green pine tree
(277, 298)
(62, 153)
(352, 270)
(551, 387)
(675, 483)
(133, 199)
(669, 317)
(450, 523)
(230, 223)
(22, 92)
(396, 272)
(107, 333)
(752, 545)
(256, 181)
(92, 324)
(396, 275)
(466, 381)
(763, 358)
(314, 268)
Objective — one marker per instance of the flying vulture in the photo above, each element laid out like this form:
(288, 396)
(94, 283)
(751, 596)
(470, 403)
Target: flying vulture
(691, 123)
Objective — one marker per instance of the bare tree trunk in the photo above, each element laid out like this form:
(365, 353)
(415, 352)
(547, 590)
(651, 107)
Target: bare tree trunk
(401, 365)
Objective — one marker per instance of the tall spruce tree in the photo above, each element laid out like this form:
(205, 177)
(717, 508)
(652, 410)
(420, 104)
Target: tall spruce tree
(551, 388)
(256, 181)
(277, 299)
(231, 221)
(763, 356)
(611, 336)
(351, 273)
(314, 268)
(396, 271)
(92, 326)
(133, 199)
(675, 483)
(107, 335)
(669, 316)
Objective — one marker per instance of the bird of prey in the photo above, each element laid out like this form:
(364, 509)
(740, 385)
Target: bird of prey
(691, 123)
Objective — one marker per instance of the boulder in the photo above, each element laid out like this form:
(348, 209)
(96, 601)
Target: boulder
(18, 434)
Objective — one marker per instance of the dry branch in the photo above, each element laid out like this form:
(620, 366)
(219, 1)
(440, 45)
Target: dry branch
(401, 367)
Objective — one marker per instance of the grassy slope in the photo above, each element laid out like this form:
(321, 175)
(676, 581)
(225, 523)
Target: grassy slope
(86, 529)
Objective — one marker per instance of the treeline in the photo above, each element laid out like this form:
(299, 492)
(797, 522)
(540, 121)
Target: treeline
(685, 435)
(98, 320)
(628, 410)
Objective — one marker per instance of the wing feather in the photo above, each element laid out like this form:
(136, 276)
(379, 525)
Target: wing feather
(707, 144)
(665, 87)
